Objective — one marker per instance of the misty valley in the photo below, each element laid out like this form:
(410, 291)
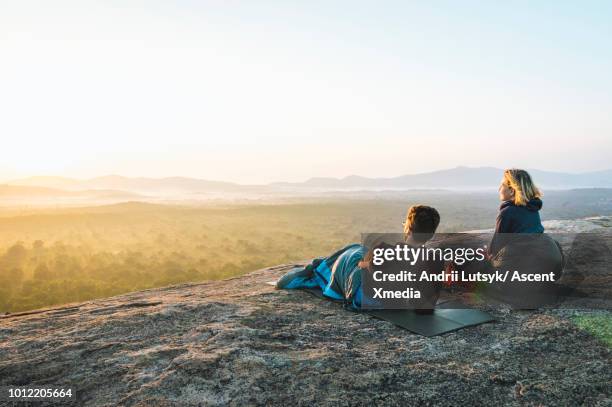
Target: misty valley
(52, 256)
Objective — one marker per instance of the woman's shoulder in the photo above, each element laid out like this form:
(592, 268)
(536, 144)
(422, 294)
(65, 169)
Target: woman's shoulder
(507, 207)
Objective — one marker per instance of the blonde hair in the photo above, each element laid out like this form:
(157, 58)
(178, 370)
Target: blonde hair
(524, 188)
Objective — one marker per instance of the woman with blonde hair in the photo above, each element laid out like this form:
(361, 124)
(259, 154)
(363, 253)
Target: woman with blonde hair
(519, 211)
(519, 243)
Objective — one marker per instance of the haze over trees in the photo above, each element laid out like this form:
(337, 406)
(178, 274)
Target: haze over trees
(56, 256)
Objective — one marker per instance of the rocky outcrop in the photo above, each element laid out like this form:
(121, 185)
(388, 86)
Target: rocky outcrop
(241, 342)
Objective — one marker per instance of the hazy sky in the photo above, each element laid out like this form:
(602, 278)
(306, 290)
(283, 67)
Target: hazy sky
(257, 91)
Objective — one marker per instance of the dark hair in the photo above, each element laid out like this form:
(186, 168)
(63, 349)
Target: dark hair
(422, 221)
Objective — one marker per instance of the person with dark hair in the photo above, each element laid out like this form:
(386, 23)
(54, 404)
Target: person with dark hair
(421, 223)
(339, 275)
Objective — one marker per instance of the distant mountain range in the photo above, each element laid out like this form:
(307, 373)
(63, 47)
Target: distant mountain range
(43, 192)
(463, 177)
(454, 178)
(11, 195)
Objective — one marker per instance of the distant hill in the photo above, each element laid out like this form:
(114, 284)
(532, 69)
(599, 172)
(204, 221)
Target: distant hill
(459, 177)
(33, 195)
(19, 190)
(49, 182)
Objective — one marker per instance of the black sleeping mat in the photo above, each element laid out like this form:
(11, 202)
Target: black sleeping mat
(443, 320)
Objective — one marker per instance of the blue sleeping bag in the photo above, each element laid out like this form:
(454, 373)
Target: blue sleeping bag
(337, 276)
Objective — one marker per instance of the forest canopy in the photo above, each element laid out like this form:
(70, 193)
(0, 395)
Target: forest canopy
(57, 256)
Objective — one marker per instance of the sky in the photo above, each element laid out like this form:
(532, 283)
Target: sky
(264, 91)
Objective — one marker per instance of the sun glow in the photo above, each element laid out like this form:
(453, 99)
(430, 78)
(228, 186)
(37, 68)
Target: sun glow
(282, 92)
